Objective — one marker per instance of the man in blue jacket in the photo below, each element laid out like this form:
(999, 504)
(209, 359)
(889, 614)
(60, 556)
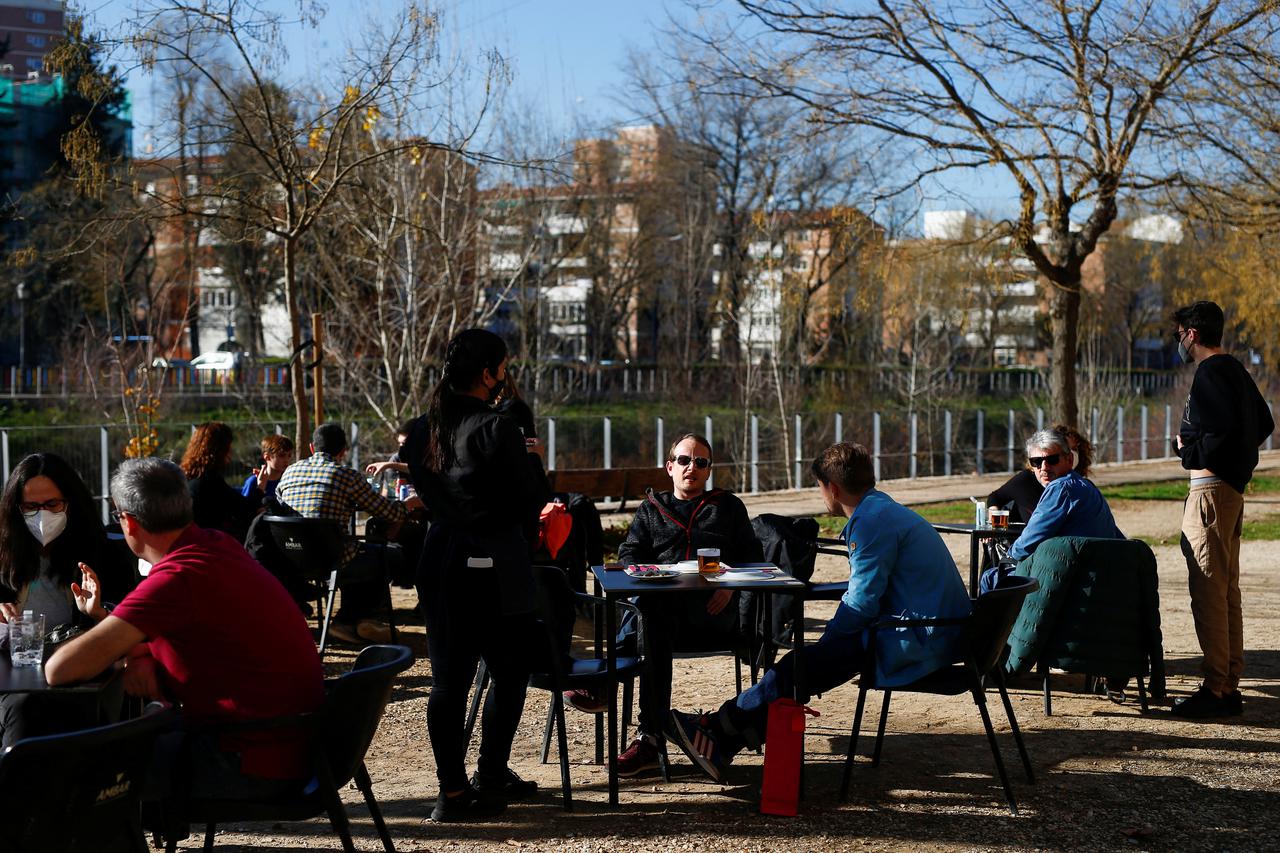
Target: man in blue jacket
(898, 566)
(1070, 505)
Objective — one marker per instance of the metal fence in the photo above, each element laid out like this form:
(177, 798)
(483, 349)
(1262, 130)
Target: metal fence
(754, 452)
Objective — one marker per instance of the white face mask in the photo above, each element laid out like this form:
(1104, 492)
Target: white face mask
(46, 526)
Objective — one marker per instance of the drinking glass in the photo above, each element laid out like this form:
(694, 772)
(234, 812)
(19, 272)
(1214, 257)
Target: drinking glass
(709, 561)
(26, 639)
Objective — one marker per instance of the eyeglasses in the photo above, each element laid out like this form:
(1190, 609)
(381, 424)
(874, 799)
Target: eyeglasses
(699, 462)
(53, 505)
(117, 514)
(1037, 461)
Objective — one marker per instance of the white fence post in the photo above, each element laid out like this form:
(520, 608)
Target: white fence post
(839, 427)
(875, 442)
(1142, 450)
(1119, 433)
(1093, 430)
(707, 433)
(946, 446)
(106, 474)
(661, 451)
(795, 483)
(914, 439)
(608, 442)
(1168, 432)
(1012, 426)
(755, 454)
(551, 444)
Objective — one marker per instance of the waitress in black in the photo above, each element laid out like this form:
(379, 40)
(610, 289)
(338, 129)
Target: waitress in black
(475, 584)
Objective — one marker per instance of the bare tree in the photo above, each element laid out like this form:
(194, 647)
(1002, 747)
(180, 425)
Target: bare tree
(314, 148)
(1072, 103)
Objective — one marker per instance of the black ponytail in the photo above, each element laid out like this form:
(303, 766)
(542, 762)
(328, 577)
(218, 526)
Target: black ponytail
(467, 356)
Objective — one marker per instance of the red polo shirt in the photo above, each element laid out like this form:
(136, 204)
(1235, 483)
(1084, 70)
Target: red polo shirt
(231, 645)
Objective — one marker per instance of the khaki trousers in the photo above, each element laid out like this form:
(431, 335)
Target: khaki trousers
(1211, 526)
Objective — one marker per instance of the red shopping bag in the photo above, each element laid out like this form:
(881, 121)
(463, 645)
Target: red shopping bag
(783, 757)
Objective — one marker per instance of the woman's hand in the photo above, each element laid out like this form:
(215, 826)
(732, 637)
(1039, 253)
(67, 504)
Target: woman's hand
(373, 469)
(88, 594)
(8, 611)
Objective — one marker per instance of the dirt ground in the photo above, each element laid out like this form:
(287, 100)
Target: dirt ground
(1108, 777)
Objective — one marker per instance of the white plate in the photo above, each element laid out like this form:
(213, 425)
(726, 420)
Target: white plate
(660, 575)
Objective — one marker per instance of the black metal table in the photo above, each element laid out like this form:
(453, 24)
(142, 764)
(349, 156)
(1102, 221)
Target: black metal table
(976, 535)
(616, 583)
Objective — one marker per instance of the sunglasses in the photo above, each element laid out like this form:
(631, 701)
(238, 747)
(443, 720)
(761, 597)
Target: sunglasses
(699, 462)
(1037, 461)
(54, 505)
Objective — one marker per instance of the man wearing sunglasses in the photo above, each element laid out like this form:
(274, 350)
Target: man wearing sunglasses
(1223, 423)
(1070, 505)
(670, 527)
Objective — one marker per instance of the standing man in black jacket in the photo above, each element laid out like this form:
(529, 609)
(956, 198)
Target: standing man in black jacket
(1224, 422)
(670, 527)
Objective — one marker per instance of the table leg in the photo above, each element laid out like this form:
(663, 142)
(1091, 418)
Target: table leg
(598, 626)
(973, 564)
(611, 663)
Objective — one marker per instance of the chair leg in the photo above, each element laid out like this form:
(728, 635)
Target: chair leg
(337, 812)
(477, 695)
(365, 784)
(853, 744)
(1013, 725)
(628, 695)
(328, 611)
(209, 831)
(546, 732)
(1142, 694)
(562, 744)
(980, 699)
(391, 614)
(884, 717)
(1048, 701)
(737, 673)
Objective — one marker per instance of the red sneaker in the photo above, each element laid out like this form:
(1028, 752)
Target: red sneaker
(639, 757)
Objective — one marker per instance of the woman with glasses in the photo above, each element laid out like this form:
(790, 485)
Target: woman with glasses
(1022, 491)
(54, 551)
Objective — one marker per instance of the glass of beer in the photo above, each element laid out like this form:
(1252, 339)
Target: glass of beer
(709, 561)
(1000, 519)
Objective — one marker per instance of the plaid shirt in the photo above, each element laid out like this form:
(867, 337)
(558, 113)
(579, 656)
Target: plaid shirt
(318, 487)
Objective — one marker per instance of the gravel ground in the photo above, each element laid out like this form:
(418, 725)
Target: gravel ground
(1108, 777)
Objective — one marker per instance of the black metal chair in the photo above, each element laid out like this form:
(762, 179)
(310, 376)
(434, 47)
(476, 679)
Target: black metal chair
(344, 727)
(558, 671)
(986, 630)
(79, 791)
(315, 547)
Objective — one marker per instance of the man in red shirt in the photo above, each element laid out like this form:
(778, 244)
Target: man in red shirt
(208, 627)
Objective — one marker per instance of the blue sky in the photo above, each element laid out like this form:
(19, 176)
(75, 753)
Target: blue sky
(566, 56)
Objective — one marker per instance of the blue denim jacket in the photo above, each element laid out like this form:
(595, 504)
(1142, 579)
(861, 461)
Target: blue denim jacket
(899, 566)
(1070, 506)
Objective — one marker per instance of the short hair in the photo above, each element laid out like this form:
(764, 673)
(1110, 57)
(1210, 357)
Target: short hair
(847, 464)
(1205, 317)
(1083, 448)
(701, 439)
(329, 438)
(1047, 438)
(406, 427)
(153, 491)
(273, 445)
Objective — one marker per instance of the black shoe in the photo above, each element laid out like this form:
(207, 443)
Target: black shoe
(470, 805)
(1202, 705)
(507, 785)
(1234, 702)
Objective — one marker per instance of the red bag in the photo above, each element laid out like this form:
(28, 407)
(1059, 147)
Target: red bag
(783, 757)
(554, 526)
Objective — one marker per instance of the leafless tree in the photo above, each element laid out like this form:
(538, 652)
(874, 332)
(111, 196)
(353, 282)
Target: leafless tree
(1075, 104)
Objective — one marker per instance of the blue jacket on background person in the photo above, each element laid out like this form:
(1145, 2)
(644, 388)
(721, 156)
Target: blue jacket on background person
(1070, 506)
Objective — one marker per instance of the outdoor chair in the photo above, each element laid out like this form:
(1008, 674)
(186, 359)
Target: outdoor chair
(1097, 612)
(315, 548)
(985, 631)
(558, 670)
(343, 727)
(80, 791)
